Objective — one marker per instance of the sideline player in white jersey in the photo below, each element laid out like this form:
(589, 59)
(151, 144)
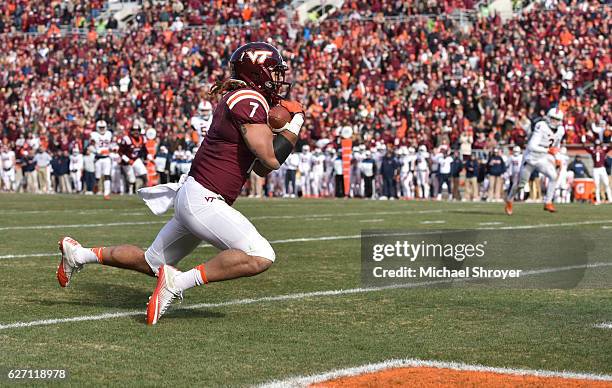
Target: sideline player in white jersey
(355, 173)
(422, 172)
(543, 145)
(305, 168)
(7, 168)
(101, 140)
(328, 177)
(202, 121)
(318, 170)
(76, 169)
(407, 163)
(563, 192)
(515, 163)
(117, 179)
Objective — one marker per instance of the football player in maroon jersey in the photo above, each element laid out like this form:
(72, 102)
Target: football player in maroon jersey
(239, 140)
(599, 153)
(133, 151)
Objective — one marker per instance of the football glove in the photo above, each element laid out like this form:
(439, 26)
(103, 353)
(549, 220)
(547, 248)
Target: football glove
(293, 107)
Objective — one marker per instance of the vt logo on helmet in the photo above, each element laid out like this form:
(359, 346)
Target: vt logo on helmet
(261, 66)
(259, 56)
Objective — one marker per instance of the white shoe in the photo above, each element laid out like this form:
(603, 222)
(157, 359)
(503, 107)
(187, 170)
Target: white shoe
(165, 292)
(68, 265)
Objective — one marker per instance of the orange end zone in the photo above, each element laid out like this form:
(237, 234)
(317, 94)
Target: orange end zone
(418, 377)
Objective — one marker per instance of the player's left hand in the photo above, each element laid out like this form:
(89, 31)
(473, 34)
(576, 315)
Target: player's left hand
(553, 151)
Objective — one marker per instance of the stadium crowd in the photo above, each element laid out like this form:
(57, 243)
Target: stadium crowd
(423, 83)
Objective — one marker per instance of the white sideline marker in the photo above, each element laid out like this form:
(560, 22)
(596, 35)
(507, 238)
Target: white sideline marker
(603, 325)
(278, 298)
(354, 236)
(303, 381)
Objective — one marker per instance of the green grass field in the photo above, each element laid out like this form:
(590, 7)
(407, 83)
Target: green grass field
(252, 340)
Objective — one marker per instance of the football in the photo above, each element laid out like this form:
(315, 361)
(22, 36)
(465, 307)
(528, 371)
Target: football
(278, 117)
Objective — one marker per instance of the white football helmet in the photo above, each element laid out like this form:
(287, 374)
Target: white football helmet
(411, 151)
(516, 150)
(554, 118)
(306, 148)
(205, 109)
(101, 126)
(422, 148)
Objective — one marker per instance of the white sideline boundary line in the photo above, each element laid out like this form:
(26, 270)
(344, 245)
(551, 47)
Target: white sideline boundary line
(303, 381)
(603, 325)
(357, 236)
(134, 223)
(278, 298)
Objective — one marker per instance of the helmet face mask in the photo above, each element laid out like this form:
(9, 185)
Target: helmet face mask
(261, 66)
(554, 117)
(205, 109)
(101, 127)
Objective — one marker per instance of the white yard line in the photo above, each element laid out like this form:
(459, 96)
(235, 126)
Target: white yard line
(350, 214)
(603, 325)
(355, 236)
(133, 223)
(303, 381)
(433, 222)
(37, 227)
(373, 220)
(489, 223)
(279, 298)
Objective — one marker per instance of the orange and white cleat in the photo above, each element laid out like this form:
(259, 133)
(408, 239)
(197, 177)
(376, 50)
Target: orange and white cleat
(549, 207)
(508, 207)
(165, 292)
(68, 265)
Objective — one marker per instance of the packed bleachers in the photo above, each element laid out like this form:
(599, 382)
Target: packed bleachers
(417, 82)
(38, 16)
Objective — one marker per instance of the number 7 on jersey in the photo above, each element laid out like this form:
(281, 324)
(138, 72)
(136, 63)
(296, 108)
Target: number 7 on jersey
(255, 106)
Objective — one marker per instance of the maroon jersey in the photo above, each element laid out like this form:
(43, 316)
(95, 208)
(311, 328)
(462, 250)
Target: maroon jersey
(223, 161)
(598, 155)
(131, 148)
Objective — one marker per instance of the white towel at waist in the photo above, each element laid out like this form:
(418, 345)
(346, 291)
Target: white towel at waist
(160, 198)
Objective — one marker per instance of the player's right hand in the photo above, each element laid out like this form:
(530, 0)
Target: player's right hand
(293, 107)
(553, 151)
